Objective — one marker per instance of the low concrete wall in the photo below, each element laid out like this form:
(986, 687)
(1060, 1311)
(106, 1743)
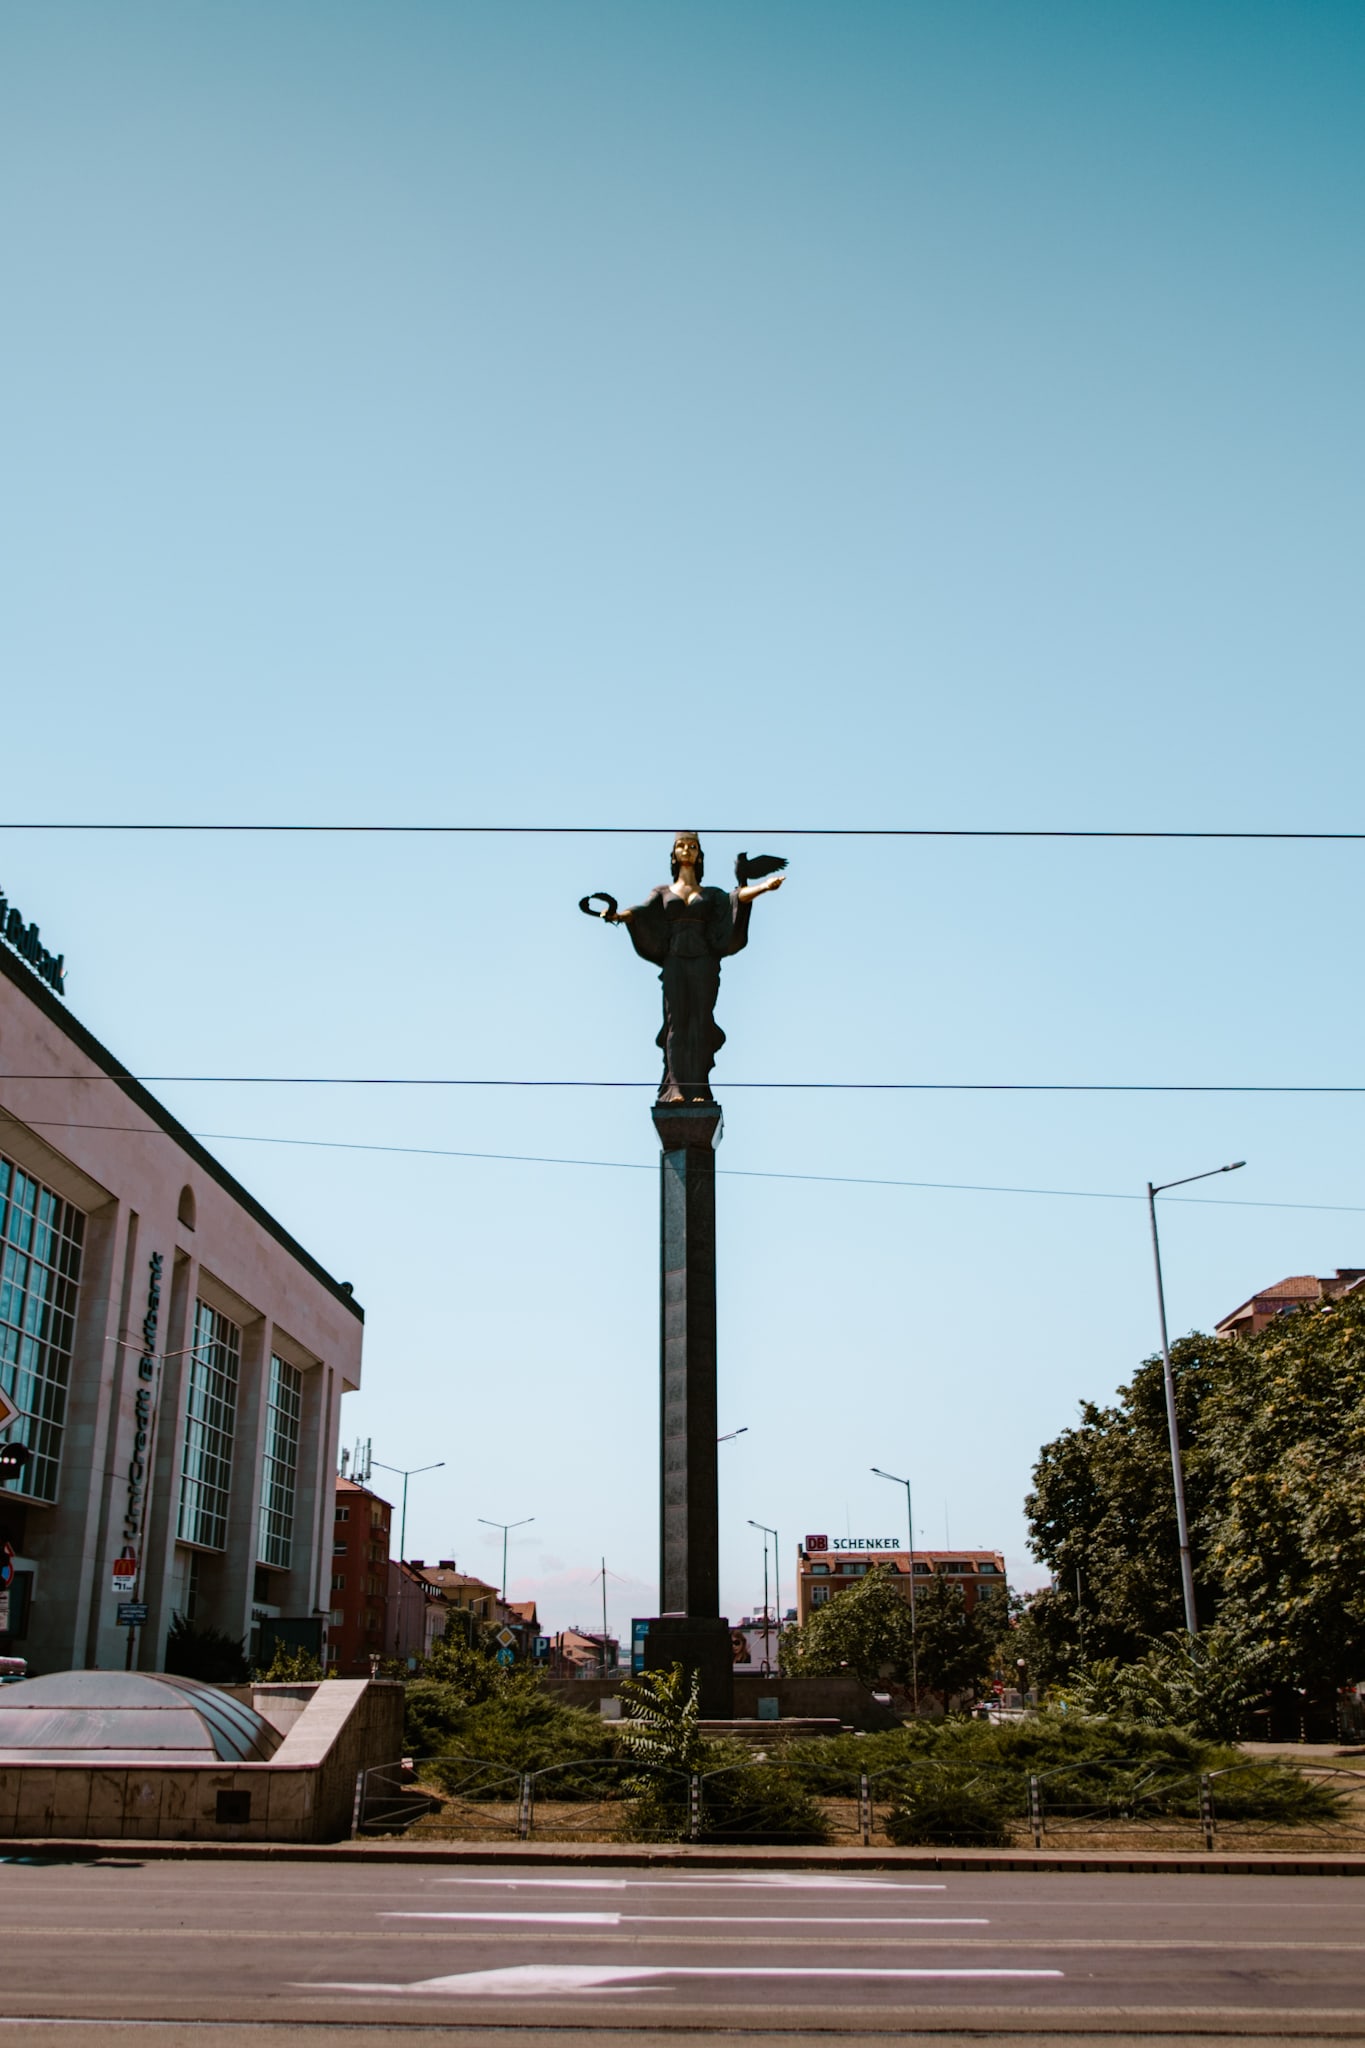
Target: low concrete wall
(304, 1794)
(804, 1699)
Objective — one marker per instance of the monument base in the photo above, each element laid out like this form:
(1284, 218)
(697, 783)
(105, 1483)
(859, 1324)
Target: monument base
(700, 1643)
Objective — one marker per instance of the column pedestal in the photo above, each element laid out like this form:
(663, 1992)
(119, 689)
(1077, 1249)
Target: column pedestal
(690, 1629)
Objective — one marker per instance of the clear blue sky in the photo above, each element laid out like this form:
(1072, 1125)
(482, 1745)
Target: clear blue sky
(743, 414)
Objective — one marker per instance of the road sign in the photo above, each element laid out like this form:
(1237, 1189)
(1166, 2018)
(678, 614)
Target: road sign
(132, 1613)
(506, 1638)
(8, 1411)
(125, 1571)
(507, 1656)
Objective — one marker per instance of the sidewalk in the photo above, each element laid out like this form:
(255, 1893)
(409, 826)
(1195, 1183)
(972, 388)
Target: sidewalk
(709, 1856)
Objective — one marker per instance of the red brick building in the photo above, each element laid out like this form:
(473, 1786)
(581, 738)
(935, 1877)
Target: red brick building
(358, 1624)
(824, 1570)
(1287, 1295)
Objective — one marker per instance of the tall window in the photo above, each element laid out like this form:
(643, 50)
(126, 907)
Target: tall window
(280, 1465)
(40, 1269)
(211, 1413)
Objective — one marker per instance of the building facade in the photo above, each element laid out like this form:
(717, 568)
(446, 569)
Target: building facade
(358, 1628)
(824, 1569)
(175, 1357)
(417, 1612)
(462, 1594)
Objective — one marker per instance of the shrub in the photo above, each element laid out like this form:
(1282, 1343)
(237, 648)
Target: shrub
(1204, 1683)
(289, 1665)
(662, 1720)
(953, 1807)
(516, 1727)
(742, 1800)
(208, 1654)
(1086, 1764)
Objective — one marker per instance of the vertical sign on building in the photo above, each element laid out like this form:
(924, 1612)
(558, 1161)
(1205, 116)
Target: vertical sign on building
(142, 1407)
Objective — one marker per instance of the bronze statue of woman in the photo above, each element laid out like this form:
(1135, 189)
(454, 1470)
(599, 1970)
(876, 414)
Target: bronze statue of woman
(686, 930)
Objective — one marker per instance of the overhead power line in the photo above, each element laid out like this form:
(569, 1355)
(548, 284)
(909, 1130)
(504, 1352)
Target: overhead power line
(859, 1180)
(840, 1087)
(658, 831)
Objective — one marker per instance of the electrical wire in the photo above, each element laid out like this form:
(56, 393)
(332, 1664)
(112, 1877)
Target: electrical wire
(840, 1087)
(659, 831)
(859, 1180)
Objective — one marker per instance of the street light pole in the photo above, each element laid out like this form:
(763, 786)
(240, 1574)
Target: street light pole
(910, 1539)
(1172, 1424)
(767, 1611)
(411, 1473)
(505, 1526)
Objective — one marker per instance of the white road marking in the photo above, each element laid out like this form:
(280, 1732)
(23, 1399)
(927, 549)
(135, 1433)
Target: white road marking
(540, 1919)
(702, 1919)
(539, 1980)
(783, 1880)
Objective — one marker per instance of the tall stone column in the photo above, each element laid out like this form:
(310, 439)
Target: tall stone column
(690, 1629)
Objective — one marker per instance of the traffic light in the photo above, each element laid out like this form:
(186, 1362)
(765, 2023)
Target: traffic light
(14, 1461)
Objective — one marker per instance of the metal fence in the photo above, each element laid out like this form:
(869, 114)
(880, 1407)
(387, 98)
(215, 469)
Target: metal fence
(763, 1799)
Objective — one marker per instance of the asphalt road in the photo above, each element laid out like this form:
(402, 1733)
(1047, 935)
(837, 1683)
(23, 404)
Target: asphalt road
(274, 1951)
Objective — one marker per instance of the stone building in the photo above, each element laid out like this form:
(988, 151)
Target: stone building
(175, 1357)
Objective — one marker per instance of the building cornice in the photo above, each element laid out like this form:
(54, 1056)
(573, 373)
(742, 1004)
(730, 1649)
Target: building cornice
(55, 1010)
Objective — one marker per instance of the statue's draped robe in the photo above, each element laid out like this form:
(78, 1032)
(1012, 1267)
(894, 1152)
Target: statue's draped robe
(687, 943)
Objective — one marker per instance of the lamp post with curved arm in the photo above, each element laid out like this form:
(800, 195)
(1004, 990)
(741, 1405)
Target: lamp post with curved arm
(767, 1612)
(910, 1540)
(411, 1473)
(1172, 1426)
(505, 1526)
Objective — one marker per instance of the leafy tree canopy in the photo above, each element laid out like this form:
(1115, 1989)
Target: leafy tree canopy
(867, 1631)
(1272, 1432)
(863, 1630)
(956, 1646)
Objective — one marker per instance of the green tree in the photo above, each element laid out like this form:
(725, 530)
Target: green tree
(956, 1647)
(1287, 1540)
(1273, 1435)
(1102, 1505)
(863, 1629)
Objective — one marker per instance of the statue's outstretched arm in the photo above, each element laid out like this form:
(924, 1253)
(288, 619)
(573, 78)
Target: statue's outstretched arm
(753, 889)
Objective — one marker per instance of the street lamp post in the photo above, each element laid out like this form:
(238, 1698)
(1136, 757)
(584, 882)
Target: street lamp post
(1172, 1425)
(910, 1539)
(767, 1611)
(411, 1473)
(505, 1526)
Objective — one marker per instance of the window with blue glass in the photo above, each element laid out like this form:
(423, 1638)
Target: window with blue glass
(210, 1423)
(279, 1468)
(41, 1239)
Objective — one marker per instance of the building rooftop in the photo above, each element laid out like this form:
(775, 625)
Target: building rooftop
(1289, 1294)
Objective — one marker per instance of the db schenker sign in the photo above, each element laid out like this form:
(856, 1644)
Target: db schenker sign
(854, 1543)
